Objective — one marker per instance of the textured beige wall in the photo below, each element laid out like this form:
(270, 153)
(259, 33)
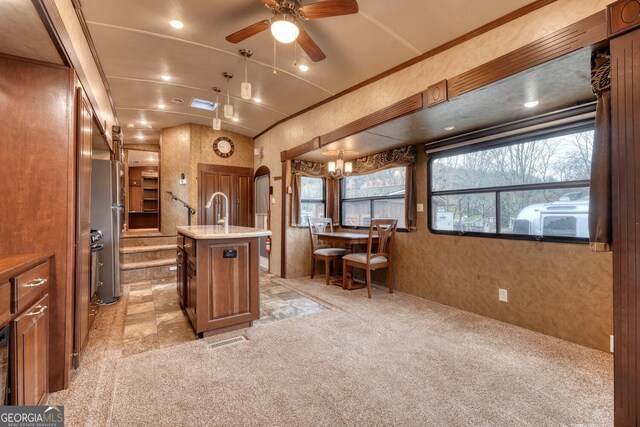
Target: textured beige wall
(576, 304)
(182, 148)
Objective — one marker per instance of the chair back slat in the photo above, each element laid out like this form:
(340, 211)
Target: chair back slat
(386, 231)
(319, 225)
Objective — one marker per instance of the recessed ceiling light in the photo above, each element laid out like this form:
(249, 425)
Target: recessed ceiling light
(176, 24)
(140, 137)
(235, 119)
(257, 100)
(531, 104)
(130, 126)
(177, 100)
(166, 78)
(450, 128)
(143, 122)
(161, 106)
(303, 67)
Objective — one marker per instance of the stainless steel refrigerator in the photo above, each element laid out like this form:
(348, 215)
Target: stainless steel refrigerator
(107, 215)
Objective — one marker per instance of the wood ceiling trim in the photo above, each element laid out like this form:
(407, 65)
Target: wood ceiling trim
(406, 106)
(299, 150)
(587, 32)
(457, 41)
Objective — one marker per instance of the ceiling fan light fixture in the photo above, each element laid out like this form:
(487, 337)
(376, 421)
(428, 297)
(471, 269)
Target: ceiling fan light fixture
(284, 29)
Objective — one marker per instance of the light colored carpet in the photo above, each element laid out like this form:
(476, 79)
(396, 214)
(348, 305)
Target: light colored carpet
(393, 360)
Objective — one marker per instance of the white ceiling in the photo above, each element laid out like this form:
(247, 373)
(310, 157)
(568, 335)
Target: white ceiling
(136, 46)
(24, 34)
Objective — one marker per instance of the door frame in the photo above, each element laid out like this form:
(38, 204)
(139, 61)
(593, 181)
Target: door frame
(127, 191)
(264, 171)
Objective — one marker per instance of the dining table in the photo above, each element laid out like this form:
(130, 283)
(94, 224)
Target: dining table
(347, 240)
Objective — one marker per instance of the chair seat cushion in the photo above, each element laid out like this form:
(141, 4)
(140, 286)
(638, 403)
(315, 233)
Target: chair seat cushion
(362, 258)
(330, 252)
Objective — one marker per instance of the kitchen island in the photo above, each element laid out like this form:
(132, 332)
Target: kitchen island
(218, 276)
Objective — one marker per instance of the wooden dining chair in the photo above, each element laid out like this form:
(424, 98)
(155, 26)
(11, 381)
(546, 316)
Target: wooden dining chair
(381, 258)
(319, 251)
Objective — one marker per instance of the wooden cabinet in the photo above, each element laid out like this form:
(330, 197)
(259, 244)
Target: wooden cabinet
(222, 283)
(25, 306)
(37, 178)
(236, 183)
(30, 346)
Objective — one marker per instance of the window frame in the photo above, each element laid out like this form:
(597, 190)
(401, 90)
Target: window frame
(323, 200)
(371, 201)
(503, 142)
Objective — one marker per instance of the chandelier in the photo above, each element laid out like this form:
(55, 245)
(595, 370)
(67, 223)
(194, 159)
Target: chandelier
(340, 168)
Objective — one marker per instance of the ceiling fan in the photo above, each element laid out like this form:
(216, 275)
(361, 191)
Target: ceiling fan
(285, 24)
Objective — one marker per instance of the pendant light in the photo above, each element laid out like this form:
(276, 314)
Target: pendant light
(245, 87)
(228, 108)
(217, 123)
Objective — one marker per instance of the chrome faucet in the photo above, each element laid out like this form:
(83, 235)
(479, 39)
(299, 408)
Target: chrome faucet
(224, 221)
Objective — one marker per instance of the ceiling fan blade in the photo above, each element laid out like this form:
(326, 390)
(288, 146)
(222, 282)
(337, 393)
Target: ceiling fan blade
(329, 8)
(249, 31)
(309, 46)
(270, 3)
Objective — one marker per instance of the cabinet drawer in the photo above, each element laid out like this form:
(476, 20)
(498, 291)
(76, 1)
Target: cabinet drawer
(29, 285)
(5, 303)
(190, 247)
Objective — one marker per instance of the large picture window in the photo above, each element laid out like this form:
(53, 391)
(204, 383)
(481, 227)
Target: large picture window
(536, 188)
(375, 195)
(312, 198)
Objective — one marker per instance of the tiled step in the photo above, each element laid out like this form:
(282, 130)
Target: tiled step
(135, 254)
(148, 270)
(147, 264)
(128, 242)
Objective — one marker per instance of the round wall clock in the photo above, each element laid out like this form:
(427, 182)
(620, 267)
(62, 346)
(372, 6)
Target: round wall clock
(223, 147)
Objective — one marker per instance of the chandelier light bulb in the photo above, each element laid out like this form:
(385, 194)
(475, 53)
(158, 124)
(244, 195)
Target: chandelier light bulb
(348, 167)
(331, 167)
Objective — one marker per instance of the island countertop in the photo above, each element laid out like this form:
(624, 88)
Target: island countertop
(212, 232)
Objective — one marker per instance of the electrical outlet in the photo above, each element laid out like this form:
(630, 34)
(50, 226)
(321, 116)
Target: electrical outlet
(420, 207)
(173, 268)
(503, 295)
(611, 343)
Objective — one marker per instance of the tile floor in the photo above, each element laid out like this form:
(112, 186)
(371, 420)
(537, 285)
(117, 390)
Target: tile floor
(154, 318)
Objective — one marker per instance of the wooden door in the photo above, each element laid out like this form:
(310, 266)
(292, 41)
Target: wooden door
(84, 130)
(30, 348)
(236, 183)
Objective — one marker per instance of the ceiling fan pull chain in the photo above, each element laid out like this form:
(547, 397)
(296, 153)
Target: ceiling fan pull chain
(274, 57)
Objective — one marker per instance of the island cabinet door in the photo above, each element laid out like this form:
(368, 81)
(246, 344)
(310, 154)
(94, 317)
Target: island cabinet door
(231, 283)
